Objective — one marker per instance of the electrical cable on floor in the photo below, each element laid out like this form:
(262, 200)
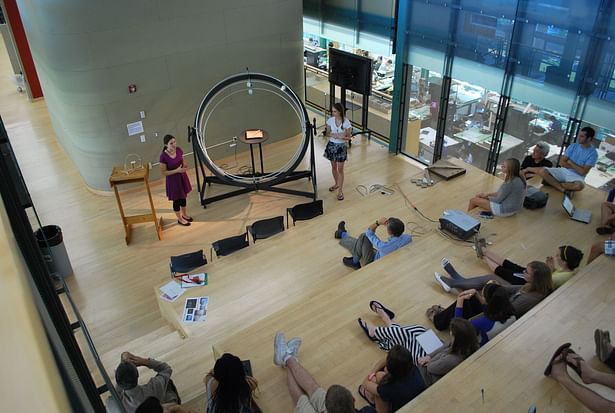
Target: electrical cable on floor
(383, 189)
(411, 206)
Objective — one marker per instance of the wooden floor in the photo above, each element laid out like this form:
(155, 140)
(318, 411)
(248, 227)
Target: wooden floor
(113, 283)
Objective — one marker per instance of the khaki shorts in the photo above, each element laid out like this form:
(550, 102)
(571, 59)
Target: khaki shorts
(314, 404)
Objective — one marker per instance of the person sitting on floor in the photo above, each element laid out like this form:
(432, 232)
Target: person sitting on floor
(537, 159)
(432, 366)
(565, 357)
(563, 264)
(392, 382)
(509, 198)
(575, 164)
(538, 285)
(368, 247)
(607, 216)
(306, 393)
(229, 388)
(498, 312)
(606, 247)
(131, 394)
(152, 405)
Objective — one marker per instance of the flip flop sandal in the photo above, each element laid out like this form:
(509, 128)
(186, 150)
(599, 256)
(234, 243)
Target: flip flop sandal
(365, 329)
(559, 351)
(576, 365)
(333, 188)
(374, 305)
(340, 196)
(361, 391)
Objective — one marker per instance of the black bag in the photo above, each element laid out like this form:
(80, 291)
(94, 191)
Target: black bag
(535, 199)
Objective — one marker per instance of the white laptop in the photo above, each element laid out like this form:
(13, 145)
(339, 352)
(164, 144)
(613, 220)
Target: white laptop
(576, 214)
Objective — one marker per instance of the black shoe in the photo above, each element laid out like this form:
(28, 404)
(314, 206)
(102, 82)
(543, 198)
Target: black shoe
(341, 227)
(189, 219)
(605, 230)
(187, 224)
(348, 262)
(569, 194)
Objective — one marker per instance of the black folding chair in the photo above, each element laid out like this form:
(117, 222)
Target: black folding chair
(265, 228)
(303, 212)
(186, 262)
(226, 246)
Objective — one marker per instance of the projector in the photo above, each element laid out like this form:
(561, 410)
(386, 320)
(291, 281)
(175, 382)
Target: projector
(459, 223)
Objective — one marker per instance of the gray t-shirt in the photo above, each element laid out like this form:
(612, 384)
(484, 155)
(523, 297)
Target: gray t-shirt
(510, 196)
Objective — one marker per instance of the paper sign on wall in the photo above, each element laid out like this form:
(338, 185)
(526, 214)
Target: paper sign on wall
(135, 128)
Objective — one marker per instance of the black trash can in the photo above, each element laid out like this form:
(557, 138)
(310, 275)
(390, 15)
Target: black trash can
(55, 256)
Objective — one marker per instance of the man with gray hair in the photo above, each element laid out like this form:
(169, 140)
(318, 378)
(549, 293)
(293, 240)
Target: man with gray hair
(538, 158)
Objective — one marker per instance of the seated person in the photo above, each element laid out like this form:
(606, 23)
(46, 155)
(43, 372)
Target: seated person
(434, 366)
(392, 382)
(575, 164)
(563, 265)
(565, 357)
(152, 405)
(497, 311)
(509, 198)
(537, 159)
(606, 247)
(523, 298)
(228, 388)
(131, 394)
(368, 247)
(607, 218)
(306, 393)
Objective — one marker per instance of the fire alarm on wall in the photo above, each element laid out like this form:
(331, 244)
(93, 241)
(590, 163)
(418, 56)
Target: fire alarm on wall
(132, 88)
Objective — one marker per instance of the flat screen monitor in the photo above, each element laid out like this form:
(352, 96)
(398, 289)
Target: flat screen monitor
(350, 71)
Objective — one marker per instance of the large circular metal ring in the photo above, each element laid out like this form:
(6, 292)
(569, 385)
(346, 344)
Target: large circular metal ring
(244, 83)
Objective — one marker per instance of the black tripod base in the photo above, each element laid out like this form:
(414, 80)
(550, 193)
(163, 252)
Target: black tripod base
(246, 188)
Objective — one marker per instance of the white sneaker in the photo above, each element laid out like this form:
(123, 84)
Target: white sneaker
(444, 285)
(279, 349)
(444, 262)
(292, 349)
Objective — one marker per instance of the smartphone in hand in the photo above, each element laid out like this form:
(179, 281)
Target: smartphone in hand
(486, 214)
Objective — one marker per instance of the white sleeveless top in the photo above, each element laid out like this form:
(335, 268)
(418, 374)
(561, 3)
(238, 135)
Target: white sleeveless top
(335, 129)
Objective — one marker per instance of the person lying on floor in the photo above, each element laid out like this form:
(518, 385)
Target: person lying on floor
(392, 382)
(522, 297)
(565, 357)
(369, 247)
(563, 264)
(434, 366)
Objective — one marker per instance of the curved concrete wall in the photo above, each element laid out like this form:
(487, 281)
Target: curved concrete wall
(88, 52)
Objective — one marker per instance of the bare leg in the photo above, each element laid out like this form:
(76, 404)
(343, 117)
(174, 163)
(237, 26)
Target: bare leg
(482, 203)
(340, 177)
(590, 375)
(302, 377)
(334, 172)
(573, 186)
(384, 316)
(588, 397)
(293, 388)
(179, 216)
(495, 258)
(544, 174)
(596, 250)
(607, 214)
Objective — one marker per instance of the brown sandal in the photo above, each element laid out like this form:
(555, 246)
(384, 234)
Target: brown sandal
(333, 188)
(432, 311)
(559, 351)
(340, 196)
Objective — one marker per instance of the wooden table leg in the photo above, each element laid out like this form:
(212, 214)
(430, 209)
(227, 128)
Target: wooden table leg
(157, 224)
(127, 228)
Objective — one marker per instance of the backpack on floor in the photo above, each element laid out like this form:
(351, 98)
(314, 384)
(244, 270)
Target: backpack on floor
(535, 199)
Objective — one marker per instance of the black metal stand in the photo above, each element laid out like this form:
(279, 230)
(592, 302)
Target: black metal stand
(310, 174)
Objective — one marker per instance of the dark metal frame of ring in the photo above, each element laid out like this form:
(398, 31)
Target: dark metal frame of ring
(255, 181)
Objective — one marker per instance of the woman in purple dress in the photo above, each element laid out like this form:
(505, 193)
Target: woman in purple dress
(174, 167)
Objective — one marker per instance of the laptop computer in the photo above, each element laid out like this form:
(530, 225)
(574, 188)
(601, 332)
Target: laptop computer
(574, 213)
